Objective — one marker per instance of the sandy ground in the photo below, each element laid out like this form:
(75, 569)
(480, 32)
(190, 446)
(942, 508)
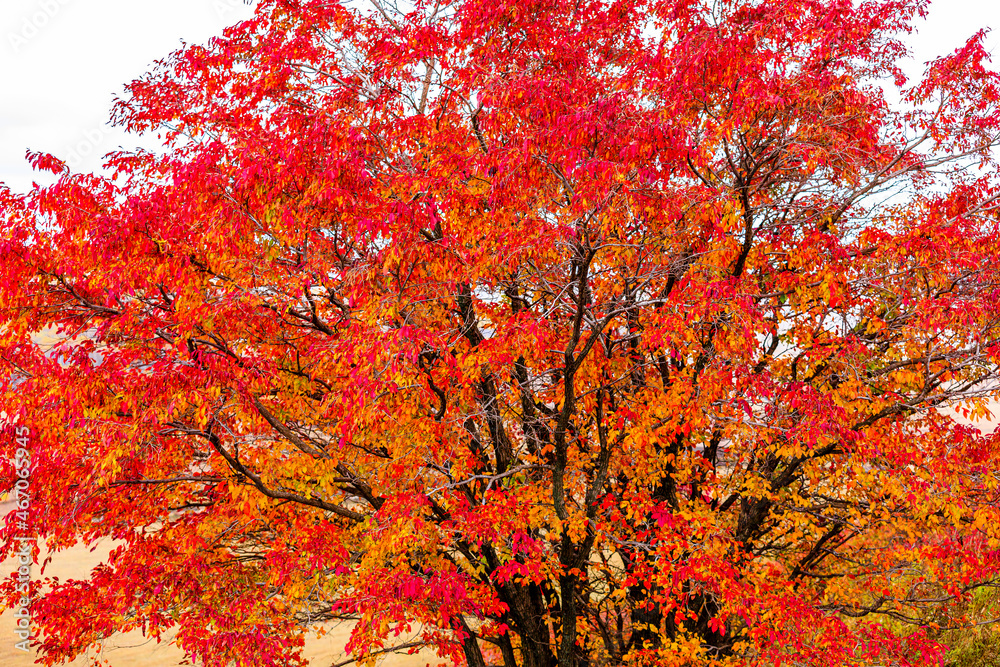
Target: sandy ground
(133, 650)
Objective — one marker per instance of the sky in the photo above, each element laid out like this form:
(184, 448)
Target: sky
(62, 62)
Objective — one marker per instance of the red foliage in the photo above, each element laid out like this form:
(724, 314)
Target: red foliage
(604, 332)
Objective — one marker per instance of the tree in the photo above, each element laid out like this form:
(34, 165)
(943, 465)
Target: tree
(570, 334)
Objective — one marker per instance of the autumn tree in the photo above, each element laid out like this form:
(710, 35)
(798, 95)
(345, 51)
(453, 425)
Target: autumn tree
(553, 333)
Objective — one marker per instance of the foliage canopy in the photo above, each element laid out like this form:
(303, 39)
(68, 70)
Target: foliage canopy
(557, 333)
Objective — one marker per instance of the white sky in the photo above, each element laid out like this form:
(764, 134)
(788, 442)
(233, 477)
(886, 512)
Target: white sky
(63, 61)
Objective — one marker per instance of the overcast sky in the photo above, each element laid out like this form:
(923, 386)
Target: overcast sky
(63, 61)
